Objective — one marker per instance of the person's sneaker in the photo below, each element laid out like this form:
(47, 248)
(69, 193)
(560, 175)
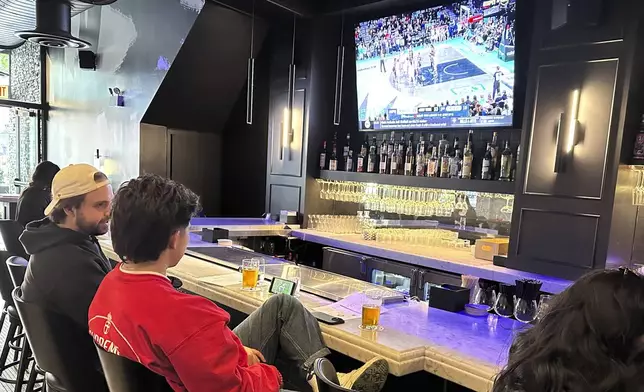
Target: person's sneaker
(370, 377)
(313, 382)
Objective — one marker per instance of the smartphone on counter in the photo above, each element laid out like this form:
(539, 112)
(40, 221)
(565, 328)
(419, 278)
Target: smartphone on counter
(282, 286)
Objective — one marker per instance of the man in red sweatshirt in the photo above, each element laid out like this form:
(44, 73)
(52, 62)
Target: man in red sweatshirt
(136, 312)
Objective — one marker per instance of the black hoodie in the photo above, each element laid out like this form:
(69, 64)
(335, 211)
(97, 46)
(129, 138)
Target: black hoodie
(65, 269)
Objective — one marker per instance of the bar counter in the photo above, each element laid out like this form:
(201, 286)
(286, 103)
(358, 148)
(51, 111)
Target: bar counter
(450, 260)
(462, 349)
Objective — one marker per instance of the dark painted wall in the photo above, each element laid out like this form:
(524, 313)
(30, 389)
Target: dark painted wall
(243, 183)
(209, 73)
(136, 41)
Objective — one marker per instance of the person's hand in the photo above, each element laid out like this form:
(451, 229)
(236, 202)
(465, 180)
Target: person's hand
(254, 356)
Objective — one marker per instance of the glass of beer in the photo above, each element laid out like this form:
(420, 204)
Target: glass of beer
(261, 263)
(250, 274)
(371, 310)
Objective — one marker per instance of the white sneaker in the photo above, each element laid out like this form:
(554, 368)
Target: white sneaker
(370, 377)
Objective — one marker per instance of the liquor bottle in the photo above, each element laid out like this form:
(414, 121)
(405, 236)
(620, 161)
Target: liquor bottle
(442, 143)
(399, 157)
(470, 140)
(421, 163)
(372, 163)
(345, 151)
(391, 151)
(384, 156)
(468, 160)
(333, 161)
(323, 156)
(505, 174)
(444, 169)
(638, 148)
(409, 157)
(494, 163)
(516, 163)
(433, 163)
(455, 161)
(486, 170)
(349, 162)
(431, 143)
(362, 157)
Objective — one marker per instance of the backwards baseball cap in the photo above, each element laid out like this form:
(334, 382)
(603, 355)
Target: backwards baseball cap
(74, 180)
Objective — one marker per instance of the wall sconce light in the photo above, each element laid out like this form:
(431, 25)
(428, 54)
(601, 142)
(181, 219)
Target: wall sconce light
(567, 133)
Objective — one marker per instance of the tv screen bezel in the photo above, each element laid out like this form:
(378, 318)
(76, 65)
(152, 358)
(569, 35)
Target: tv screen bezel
(523, 42)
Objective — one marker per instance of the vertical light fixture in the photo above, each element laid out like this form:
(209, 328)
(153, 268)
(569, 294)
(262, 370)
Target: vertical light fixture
(572, 124)
(288, 112)
(567, 133)
(339, 78)
(250, 72)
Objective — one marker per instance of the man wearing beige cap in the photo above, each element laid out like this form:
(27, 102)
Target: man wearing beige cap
(67, 264)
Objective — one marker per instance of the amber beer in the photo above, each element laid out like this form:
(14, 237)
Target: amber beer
(370, 316)
(250, 276)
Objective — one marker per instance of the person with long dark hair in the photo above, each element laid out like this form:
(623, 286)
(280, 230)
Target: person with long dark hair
(35, 198)
(591, 340)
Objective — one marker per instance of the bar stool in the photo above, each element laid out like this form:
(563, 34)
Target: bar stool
(70, 363)
(327, 377)
(10, 232)
(124, 375)
(17, 267)
(15, 340)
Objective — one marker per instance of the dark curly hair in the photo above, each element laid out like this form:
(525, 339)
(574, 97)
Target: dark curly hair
(146, 212)
(591, 340)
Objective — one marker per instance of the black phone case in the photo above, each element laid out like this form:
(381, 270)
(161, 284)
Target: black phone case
(327, 319)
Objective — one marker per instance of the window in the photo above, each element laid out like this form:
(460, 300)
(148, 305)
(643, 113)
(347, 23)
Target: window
(19, 128)
(21, 114)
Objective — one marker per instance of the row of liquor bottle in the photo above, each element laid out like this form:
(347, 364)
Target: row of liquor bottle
(423, 159)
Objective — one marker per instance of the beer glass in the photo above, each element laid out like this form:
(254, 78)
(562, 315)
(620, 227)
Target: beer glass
(250, 274)
(371, 305)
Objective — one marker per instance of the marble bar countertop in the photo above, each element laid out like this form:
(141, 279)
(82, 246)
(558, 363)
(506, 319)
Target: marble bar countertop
(460, 348)
(242, 227)
(450, 260)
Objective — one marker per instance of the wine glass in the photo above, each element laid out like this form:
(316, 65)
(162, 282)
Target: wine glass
(544, 306)
(504, 305)
(526, 310)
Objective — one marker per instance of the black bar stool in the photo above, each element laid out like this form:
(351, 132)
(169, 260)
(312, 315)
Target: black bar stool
(124, 375)
(10, 232)
(327, 377)
(71, 364)
(17, 267)
(15, 341)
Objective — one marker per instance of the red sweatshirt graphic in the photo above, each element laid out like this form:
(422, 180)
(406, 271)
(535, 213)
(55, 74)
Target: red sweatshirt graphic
(183, 337)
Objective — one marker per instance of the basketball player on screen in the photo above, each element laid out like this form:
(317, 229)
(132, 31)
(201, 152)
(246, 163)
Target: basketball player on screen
(496, 87)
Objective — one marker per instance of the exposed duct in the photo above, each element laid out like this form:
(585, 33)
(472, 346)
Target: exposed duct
(51, 19)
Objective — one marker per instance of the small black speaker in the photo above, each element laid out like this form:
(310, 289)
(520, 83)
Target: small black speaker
(87, 59)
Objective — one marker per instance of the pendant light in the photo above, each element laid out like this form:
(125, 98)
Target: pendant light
(250, 73)
(287, 135)
(339, 78)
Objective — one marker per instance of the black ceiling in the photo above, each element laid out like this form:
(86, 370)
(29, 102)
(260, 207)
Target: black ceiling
(309, 8)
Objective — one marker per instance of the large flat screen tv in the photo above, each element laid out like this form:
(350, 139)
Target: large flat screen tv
(450, 66)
